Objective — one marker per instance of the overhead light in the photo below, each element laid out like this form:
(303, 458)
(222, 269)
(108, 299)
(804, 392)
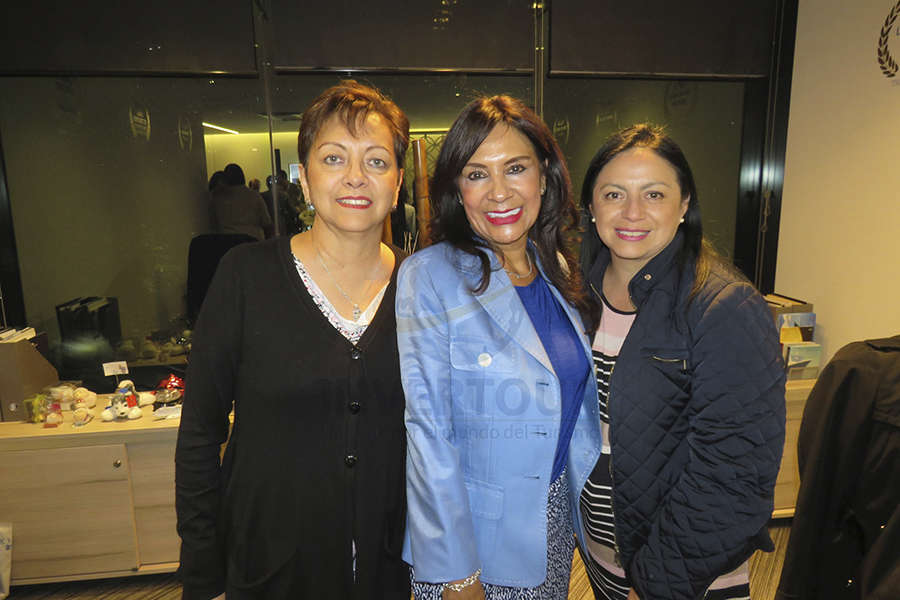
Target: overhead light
(217, 128)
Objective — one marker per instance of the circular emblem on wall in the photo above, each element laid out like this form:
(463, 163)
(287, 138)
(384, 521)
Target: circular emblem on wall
(886, 62)
(185, 133)
(561, 130)
(681, 96)
(139, 119)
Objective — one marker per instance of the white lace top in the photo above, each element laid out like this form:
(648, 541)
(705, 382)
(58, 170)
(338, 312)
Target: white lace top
(350, 329)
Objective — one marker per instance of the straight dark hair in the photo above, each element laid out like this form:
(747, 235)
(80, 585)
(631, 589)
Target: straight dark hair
(558, 214)
(694, 251)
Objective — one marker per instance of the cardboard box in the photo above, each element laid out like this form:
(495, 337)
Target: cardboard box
(796, 327)
(785, 304)
(23, 372)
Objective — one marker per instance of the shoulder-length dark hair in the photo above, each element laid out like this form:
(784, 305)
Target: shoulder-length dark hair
(352, 102)
(693, 250)
(558, 213)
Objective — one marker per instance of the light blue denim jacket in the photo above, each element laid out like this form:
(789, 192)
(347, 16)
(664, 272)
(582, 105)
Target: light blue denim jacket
(482, 419)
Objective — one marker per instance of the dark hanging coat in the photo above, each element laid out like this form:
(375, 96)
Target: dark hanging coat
(845, 536)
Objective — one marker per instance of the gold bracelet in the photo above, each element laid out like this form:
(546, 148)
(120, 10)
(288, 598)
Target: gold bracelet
(461, 585)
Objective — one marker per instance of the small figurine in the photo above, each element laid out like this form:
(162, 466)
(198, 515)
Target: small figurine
(54, 414)
(81, 415)
(124, 404)
(84, 401)
(84, 396)
(126, 386)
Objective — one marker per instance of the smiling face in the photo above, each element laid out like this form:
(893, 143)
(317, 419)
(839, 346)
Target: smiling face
(637, 204)
(501, 189)
(352, 181)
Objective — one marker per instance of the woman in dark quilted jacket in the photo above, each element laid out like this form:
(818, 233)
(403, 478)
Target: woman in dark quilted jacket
(691, 387)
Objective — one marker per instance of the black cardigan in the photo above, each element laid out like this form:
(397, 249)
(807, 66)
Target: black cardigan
(317, 450)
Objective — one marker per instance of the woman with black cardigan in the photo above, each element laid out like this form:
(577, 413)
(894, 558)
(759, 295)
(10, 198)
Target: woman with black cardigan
(298, 335)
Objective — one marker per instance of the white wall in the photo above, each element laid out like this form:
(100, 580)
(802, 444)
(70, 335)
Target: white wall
(250, 151)
(839, 241)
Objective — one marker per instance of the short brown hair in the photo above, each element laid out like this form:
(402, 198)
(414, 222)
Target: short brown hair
(353, 102)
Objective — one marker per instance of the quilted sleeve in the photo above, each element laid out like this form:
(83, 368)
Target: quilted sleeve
(441, 539)
(716, 514)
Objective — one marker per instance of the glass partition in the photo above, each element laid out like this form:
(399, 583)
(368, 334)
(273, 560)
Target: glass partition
(704, 117)
(108, 176)
(108, 185)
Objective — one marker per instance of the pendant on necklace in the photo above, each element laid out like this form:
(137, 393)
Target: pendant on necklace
(356, 312)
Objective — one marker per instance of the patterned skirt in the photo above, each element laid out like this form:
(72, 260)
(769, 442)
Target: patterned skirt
(560, 546)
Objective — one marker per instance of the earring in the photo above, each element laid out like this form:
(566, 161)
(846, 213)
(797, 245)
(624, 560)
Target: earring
(543, 189)
(593, 219)
(682, 220)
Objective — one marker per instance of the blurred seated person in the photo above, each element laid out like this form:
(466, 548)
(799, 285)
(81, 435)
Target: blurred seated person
(217, 180)
(845, 534)
(403, 221)
(235, 208)
(290, 204)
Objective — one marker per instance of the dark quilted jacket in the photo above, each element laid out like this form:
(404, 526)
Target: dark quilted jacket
(696, 410)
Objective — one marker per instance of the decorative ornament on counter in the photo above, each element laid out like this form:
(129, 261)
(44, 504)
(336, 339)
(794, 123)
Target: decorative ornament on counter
(35, 408)
(63, 394)
(85, 400)
(169, 392)
(54, 414)
(81, 415)
(84, 396)
(124, 403)
(143, 398)
(127, 386)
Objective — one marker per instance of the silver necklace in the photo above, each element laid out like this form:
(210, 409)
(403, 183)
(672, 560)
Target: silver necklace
(356, 310)
(515, 275)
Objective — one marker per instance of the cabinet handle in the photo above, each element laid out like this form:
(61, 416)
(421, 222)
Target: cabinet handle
(117, 463)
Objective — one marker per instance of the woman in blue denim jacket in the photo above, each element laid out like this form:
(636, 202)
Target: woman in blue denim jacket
(501, 414)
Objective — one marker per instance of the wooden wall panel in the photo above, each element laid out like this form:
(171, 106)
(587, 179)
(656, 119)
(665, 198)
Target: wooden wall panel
(127, 36)
(397, 34)
(691, 37)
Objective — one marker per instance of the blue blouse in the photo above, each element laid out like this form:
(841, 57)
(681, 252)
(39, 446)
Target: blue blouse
(563, 347)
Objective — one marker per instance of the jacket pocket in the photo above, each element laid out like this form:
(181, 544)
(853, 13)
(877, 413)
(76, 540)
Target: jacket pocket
(474, 354)
(671, 357)
(486, 507)
(669, 365)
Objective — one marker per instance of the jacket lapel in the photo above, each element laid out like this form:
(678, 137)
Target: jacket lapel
(502, 303)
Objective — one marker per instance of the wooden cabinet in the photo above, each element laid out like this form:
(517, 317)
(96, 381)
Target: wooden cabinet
(788, 483)
(90, 502)
(99, 501)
